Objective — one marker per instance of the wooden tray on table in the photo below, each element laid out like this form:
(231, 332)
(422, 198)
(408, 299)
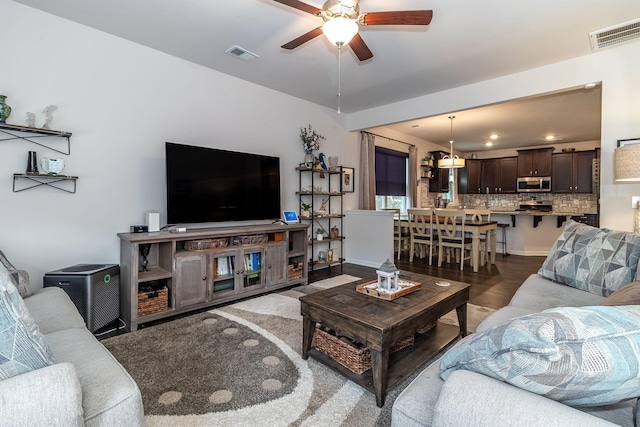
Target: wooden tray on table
(371, 289)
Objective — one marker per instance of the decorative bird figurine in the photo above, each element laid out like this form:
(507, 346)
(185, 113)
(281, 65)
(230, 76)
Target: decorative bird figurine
(322, 162)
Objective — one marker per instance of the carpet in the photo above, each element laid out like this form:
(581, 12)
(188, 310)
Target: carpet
(240, 365)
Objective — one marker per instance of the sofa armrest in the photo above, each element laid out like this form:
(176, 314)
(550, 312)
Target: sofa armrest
(49, 396)
(472, 399)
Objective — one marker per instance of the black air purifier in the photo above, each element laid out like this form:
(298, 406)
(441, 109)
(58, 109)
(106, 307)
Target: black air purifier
(93, 288)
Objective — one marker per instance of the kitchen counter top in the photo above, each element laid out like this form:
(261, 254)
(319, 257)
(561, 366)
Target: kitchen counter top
(537, 215)
(540, 213)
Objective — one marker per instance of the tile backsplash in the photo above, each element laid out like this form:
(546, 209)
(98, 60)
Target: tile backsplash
(571, 203)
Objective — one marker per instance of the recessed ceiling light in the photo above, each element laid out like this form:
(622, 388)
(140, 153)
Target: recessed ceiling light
(550, 137)
(489, 143)
(493, 136)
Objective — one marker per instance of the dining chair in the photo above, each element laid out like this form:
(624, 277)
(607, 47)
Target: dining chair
(451, 235)
(421, 231)
(401, 237)
(480, 215)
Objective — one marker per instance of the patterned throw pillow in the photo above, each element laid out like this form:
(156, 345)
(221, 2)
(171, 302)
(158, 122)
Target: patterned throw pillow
(596, 260)
(18, 280)
(22, 346)
(580, 356)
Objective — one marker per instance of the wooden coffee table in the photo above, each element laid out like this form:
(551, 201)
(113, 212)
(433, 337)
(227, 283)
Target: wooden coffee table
(378, 324)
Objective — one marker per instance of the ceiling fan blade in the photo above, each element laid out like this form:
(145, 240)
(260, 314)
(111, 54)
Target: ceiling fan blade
(360, 48)
(303, 39)
(404, 17)
(300, 6)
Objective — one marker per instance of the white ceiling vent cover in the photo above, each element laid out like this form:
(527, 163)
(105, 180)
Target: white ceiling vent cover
(241, 53)
(614, 35)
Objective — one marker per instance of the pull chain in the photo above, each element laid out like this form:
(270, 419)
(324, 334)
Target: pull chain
(339, 74)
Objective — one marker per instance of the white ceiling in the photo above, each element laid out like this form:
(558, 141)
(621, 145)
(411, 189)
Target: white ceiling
(570, 116)
(467, 41)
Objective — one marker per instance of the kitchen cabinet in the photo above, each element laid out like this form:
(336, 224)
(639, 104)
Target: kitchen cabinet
(535, 162)
(500, 175)
(439, 183)
(572, 172)
(470, 177)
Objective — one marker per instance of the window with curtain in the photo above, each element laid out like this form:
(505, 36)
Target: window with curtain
(391, 179)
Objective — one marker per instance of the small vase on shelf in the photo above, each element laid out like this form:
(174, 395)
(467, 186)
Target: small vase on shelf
(5, 110)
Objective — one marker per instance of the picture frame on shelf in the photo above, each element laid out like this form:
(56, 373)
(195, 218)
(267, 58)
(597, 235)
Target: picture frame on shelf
(348, 178)
(624, 142)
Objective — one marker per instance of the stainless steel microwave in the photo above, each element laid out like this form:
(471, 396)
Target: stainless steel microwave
(534, 184)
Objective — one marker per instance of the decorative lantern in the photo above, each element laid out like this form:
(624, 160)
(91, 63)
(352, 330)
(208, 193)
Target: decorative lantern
(388, 277)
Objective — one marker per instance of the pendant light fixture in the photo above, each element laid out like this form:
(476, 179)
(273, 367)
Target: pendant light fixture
(449, 161)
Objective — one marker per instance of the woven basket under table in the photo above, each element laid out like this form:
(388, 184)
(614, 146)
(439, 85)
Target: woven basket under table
(352, 356)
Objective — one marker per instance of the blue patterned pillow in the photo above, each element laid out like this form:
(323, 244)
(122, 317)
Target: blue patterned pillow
(18, 280)
(596, 260)
(22, 346)
(584, 356)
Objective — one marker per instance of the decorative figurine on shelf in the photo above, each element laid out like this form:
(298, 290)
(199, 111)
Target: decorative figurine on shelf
(5, 110)
(334, 232)
(49, 113)
(145, 248)
(323, 208)
(310, 141)
(31, 120)
(321, 156)
(388, 277)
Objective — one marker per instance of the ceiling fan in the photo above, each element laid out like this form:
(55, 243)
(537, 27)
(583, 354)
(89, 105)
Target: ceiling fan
(343, 18)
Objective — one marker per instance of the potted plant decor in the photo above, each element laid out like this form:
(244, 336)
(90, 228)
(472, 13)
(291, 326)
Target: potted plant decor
(310, 141)
(427, 160)
(320, 233)
(306, 210)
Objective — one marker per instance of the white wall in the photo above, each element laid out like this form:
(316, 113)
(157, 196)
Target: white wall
(122, 101)
(617, 69)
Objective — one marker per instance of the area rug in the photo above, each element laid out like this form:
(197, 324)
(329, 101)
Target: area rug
(342, 279)
(240, 365)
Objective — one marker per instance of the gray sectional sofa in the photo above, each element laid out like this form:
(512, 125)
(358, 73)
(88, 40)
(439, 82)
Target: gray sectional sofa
(484, 385)
(80, 385)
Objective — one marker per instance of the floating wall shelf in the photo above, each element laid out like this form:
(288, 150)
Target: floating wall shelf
(31, 134)
(37, 180)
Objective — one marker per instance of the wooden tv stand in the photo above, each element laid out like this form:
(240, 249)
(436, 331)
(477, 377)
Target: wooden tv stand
(256, 259)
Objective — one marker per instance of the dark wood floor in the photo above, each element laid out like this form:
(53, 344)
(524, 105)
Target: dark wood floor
(492, 286)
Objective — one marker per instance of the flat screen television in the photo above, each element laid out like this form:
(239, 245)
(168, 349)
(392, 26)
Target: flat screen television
(212, 185)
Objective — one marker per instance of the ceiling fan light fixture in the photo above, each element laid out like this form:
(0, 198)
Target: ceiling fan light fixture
(340, 30)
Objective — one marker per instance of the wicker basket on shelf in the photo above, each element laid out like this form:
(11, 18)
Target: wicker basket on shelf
(204, 244)
(294, 272)
(153, 301)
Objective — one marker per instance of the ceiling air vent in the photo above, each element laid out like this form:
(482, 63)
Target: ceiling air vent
(241, 53)
(614, 35)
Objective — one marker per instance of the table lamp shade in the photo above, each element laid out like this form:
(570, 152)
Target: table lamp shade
(627, 163)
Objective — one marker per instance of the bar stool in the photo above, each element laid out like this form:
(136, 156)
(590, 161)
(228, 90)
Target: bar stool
(503, 227)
